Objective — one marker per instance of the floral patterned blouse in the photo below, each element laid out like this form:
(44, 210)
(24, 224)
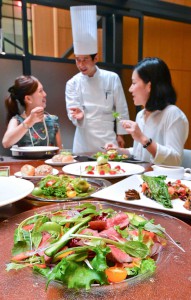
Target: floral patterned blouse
(52, 124)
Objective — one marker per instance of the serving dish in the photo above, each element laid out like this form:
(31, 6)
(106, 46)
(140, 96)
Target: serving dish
(13, 189)
(59, 164)
(19, 174)
(36, 151)
(130, 159)
(165, 283)
(97, 184)
(79, 169)
(116, 192)
(187, 176)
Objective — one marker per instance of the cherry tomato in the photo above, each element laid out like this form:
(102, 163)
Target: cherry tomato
(50, 182)
(90, 172)
(112, 156)
(102, 172)
(116, 274)
(118, 168)
(71, 194)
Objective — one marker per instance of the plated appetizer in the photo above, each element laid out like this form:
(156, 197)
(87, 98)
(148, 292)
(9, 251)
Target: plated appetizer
(104, 245)
(156, 188)
(103, 167)
(62, 187)
(112, 155)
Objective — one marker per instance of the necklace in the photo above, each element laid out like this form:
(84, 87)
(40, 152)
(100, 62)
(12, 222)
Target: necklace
(46, 137)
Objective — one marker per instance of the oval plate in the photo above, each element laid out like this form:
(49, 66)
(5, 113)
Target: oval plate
(97, 184)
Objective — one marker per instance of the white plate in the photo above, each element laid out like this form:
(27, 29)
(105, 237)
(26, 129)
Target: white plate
(18, 174)
(116, 192)
(187, 176)
(34, 149)
(79, 169)
(13, 189)
(59, 164)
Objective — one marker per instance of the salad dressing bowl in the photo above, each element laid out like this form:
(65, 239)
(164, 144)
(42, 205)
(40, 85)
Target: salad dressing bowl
(174, 172)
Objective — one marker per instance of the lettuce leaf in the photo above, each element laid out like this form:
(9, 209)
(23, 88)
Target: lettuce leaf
(158, 190)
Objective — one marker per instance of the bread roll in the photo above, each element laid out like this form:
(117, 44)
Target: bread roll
(62, 158)
(43, 170)
(28, 170)
(67, 158)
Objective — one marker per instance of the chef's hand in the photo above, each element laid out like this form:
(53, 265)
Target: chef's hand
(120, 141)
(76, 113)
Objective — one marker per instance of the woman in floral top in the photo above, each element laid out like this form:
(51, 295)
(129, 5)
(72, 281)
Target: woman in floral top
(33, 127)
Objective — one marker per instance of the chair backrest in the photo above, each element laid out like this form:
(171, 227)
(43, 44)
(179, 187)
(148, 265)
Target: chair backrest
(186, 161)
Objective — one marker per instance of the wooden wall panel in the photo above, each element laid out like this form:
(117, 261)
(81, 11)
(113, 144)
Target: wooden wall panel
(181, 2)
(171, 41)
(43, 31)
(130, 40)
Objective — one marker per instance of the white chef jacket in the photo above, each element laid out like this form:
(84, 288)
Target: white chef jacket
(169, 129)
(97, 96)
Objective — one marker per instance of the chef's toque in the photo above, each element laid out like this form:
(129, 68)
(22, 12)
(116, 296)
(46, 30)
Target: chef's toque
(84, 29)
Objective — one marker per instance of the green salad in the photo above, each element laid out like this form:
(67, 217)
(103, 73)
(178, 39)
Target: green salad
(84, 245)
(63, 186)
(111, 155)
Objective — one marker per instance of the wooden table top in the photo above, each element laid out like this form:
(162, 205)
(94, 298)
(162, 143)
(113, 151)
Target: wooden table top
(170, 281)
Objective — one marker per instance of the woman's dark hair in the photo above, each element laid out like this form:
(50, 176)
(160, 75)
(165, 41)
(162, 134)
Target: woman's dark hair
(23, 86)
(155, 70)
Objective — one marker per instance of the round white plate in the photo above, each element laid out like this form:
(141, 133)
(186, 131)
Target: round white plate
(34, 149)
(13, 189)
(187, 176)
(18, 174)
(79, 169)
(59, 164)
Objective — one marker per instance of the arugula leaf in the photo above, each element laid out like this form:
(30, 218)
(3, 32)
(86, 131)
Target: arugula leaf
(158, 229)
(15, 266)
(158, 189)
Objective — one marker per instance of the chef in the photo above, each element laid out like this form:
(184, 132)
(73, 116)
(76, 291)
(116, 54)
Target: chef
(93, 94)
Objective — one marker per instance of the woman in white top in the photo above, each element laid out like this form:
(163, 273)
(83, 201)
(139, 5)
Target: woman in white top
(161, 128)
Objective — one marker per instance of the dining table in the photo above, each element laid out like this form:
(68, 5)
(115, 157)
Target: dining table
(23, 285)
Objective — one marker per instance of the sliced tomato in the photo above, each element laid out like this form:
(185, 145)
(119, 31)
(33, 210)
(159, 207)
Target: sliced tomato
(112, 172)
(50, 182)
(144, 186)
(116, 274)
(148, 235)
(28, 227)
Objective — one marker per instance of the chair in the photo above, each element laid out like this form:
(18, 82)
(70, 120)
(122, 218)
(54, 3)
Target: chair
(186, 160)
